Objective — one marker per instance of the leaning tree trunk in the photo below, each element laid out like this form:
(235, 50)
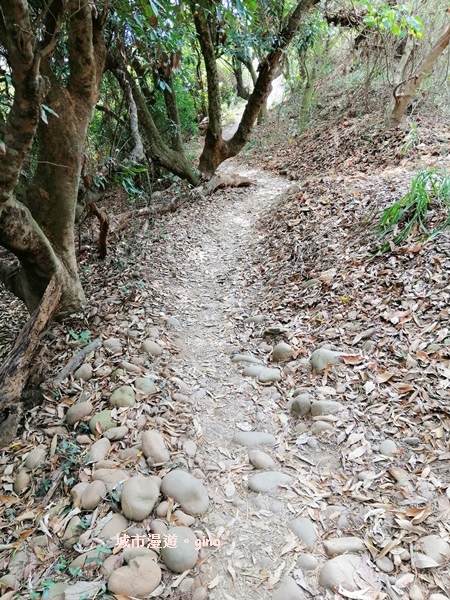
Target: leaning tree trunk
(15, 370)
(403, 100)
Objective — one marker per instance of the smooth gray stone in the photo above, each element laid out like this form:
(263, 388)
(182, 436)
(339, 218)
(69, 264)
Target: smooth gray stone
(261, 460)
(342, 545)
(251, 439)
(325, 407)
(268, 375)
(288, 590)
(340, 571)
(252, 370)
(247, 358)
(282, 351)
(269, 482)
(307, 562)
(300, 405)
(188, 491)
(184, 554)
(305, 531)
(436, 548)
(322, 357)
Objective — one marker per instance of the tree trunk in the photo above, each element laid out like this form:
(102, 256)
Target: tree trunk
(173, 160)
(137, 154)
(413, 83)
(40, 231)
(400, 68)
(216, 150)
(241, 90)
(308, 92)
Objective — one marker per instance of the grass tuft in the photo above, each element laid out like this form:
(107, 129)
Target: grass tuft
(430, 192)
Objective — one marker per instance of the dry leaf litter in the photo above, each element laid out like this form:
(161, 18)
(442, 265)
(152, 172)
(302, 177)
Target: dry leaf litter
(251, 381)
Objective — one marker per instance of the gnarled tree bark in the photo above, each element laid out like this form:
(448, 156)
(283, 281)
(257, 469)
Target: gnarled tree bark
(216, 149)
(413, 83)
(15, 370)
(40, 230)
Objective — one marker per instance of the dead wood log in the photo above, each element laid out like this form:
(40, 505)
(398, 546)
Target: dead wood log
(76, 361)
(18, 365)
(153, 211)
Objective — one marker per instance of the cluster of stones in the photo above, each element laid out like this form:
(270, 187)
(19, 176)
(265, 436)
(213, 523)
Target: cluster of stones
(344, 553)
(143, 522)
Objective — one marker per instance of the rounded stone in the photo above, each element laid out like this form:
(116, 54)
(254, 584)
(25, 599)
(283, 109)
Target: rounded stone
(340, 571)
(268, 375)
(188, 491)
(98, 451)
(103, 420)
(300, 405)
(307, 562)
(252, 370)
(131, 553)
(181, 518)
(130, 367)
(305, 530)
(288, 590)
(319, 427)
(115, 526)
(154, 447)
(145, 386)
(36, 457)
(138, 579)
(77, 491)
(110, 477)
(116, 433)
(151, 347)
(190, 448)
(123, 396)
(83, 373)
(436, 548)
(21, 482)
(269, 482)
(343, 545)
(246, 358)
(183, 555)
(139, 496)
(251, 439)
(113, 345)
(200, 593)
(117, 374)
(93, 495)
(281, 351)
(322, 358)
(388, 448)
(385, 564)
(163, 508)
(111, 564)
(261, 460)
(72, 532)
(78, 412)
(158, 527)
(325, 407)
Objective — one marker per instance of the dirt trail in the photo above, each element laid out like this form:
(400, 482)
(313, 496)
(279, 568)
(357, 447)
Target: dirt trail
(209, 293)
